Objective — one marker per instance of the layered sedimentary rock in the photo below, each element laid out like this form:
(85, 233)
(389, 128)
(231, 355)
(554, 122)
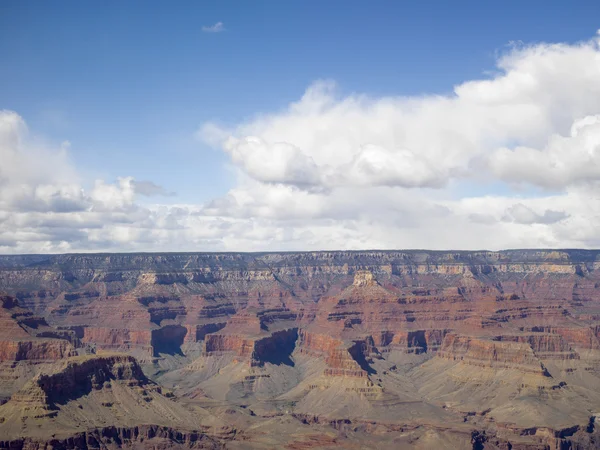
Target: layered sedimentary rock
(35, 349)
(28, 345)
(343, 358)
(199, 291)
(90, 401)
(256, 349)
(118, 338)
(491, 353)
(78, 377)
(24, 336)
(504, 344)
(17, 323)
(142, 436)
(222, 343)
(543, 345)
(581, 337)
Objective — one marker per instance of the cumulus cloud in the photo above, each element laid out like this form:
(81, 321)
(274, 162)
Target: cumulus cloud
(519, 213)
(426, 141)
(216, 28)
(43, 205)
(502, 162)
(351, 141)
(274, 163)
(396, 164)
(563, 161)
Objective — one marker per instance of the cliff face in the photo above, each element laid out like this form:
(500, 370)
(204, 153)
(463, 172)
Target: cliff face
(402, 299)
(90, 401)
(78, 377)
(35, 350)
(150, 304)
(143, 436)
(28, 345)
(490, 353)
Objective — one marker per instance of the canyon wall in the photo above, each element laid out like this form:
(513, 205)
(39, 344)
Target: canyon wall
(494, 340)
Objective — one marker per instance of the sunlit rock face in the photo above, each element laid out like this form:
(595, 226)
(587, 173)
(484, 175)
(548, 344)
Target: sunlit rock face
(364, 278)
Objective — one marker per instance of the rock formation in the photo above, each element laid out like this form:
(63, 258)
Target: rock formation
(93, 400)
(383, 348)
(28, 345)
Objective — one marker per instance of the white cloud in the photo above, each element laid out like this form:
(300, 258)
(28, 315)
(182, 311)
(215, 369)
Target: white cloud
(509, 161)
(216, 28)
(519, 213)
(273, 163)
(563, 161)
(419, 141)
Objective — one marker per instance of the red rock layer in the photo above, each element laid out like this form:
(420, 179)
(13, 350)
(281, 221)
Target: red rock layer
(274, 347)
(488, 353)
(35, 349)
(415, 341)
(581, 337)
(217, 343)
(341, 357)
(25, 337)
(544, 345)
(118, 339)
(197, 333)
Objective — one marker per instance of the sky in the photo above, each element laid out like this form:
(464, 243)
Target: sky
(298, 125)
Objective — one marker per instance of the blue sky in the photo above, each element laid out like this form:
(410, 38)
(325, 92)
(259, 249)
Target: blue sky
(442, 113)
(128, 83)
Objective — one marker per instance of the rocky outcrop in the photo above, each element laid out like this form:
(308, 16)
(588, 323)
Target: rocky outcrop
(35, 350)
(98, 401)
(197, 333)
(274, 348)
(119, 339)
(317, 344)
(218, 343)
(364, 278)
(84, 373)
(148, 436)
(415, 341)
(580, 337)
(41, 396)
(544, 345)
(26, 337)
(343, 358)
(490, 353)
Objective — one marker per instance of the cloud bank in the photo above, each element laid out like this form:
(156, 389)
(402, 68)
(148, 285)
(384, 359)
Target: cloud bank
(512, 160)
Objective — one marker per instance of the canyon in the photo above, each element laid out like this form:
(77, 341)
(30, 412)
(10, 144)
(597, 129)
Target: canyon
(346, 349)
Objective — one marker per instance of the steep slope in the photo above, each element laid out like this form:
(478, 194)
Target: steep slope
(91, 393)
(28, 345)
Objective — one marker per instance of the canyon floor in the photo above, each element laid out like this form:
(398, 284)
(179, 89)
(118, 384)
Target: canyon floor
(329, 350)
